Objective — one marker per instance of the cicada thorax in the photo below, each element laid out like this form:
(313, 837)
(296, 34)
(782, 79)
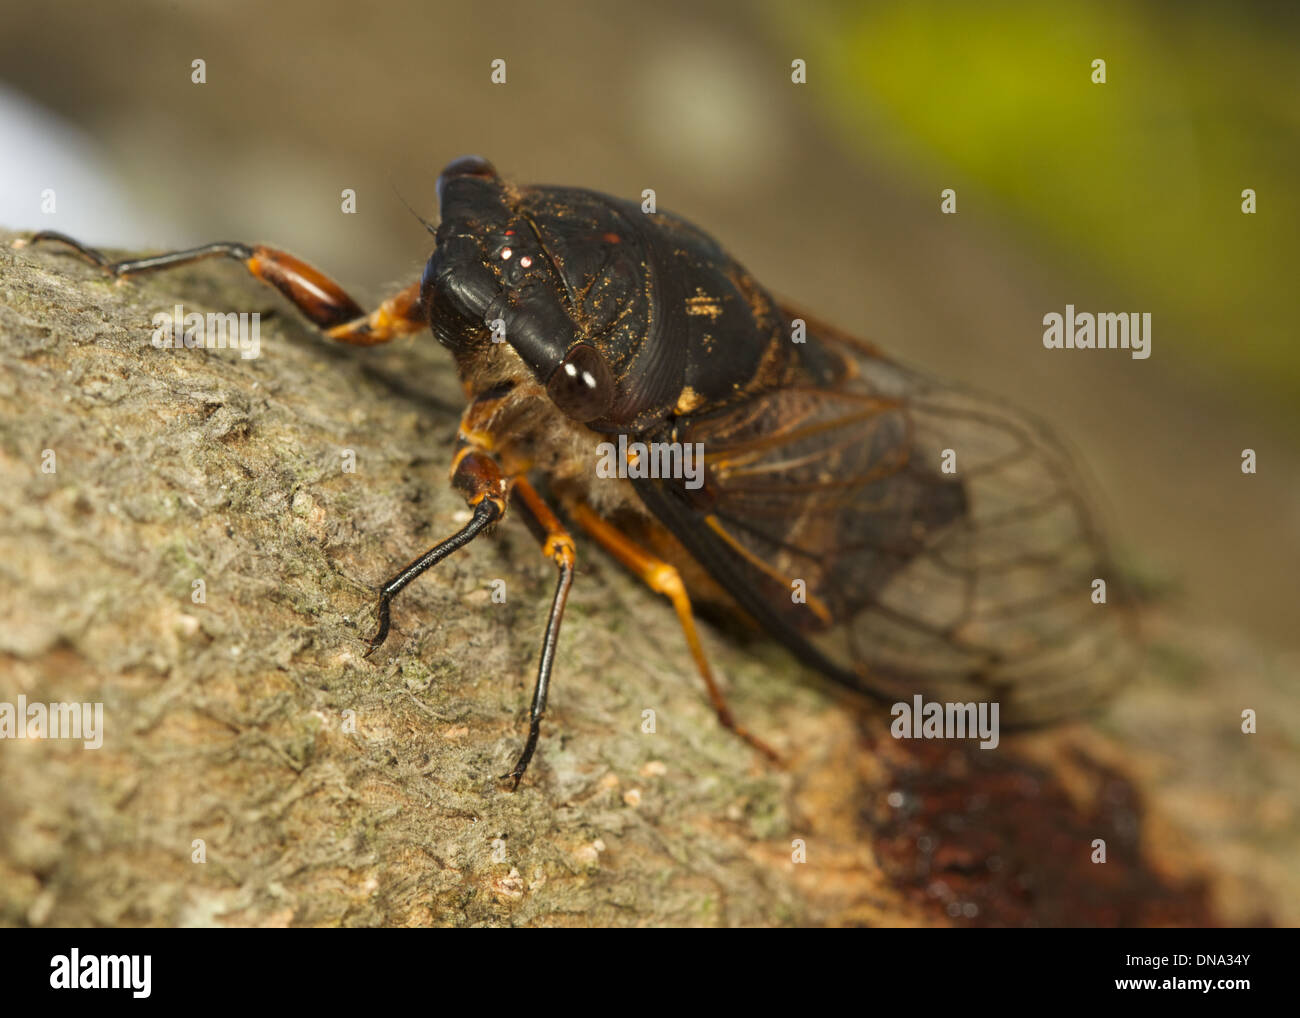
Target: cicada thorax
(680, 323)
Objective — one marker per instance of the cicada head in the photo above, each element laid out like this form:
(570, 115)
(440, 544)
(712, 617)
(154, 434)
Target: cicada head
(491, 279)
(622, 317)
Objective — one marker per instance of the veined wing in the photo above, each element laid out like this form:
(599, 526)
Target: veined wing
(830, 514)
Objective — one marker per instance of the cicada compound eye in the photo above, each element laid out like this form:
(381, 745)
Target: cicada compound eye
(465, 166)
(582, 385)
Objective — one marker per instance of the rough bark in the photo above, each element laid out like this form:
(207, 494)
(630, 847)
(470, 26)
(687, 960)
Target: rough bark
(227, 721)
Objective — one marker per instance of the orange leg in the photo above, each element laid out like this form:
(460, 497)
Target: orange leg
(663, 578)
(318, 297)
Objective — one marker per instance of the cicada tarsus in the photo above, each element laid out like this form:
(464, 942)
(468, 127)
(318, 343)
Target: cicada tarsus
(898, 534)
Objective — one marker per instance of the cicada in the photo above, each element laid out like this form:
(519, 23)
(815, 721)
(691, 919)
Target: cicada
(897, 534)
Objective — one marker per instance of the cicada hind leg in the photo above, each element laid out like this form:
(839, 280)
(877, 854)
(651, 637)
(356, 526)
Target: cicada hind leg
(663, 578)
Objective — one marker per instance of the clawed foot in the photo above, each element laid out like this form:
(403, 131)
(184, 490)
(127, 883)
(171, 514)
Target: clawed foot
(521, 765)
(381, 634)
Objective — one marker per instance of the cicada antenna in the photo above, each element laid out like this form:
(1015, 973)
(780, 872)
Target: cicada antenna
(427, 225)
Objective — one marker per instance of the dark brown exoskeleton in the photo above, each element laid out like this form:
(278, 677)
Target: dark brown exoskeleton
(899, 535)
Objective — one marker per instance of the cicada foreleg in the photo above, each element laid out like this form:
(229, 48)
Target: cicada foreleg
(321, 300)
(476, 475)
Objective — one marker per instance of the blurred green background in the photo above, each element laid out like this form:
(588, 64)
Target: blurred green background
(1117, 197)
(1142, 176)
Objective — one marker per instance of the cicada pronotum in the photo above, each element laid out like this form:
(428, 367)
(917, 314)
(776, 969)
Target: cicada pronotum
(897, 534)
